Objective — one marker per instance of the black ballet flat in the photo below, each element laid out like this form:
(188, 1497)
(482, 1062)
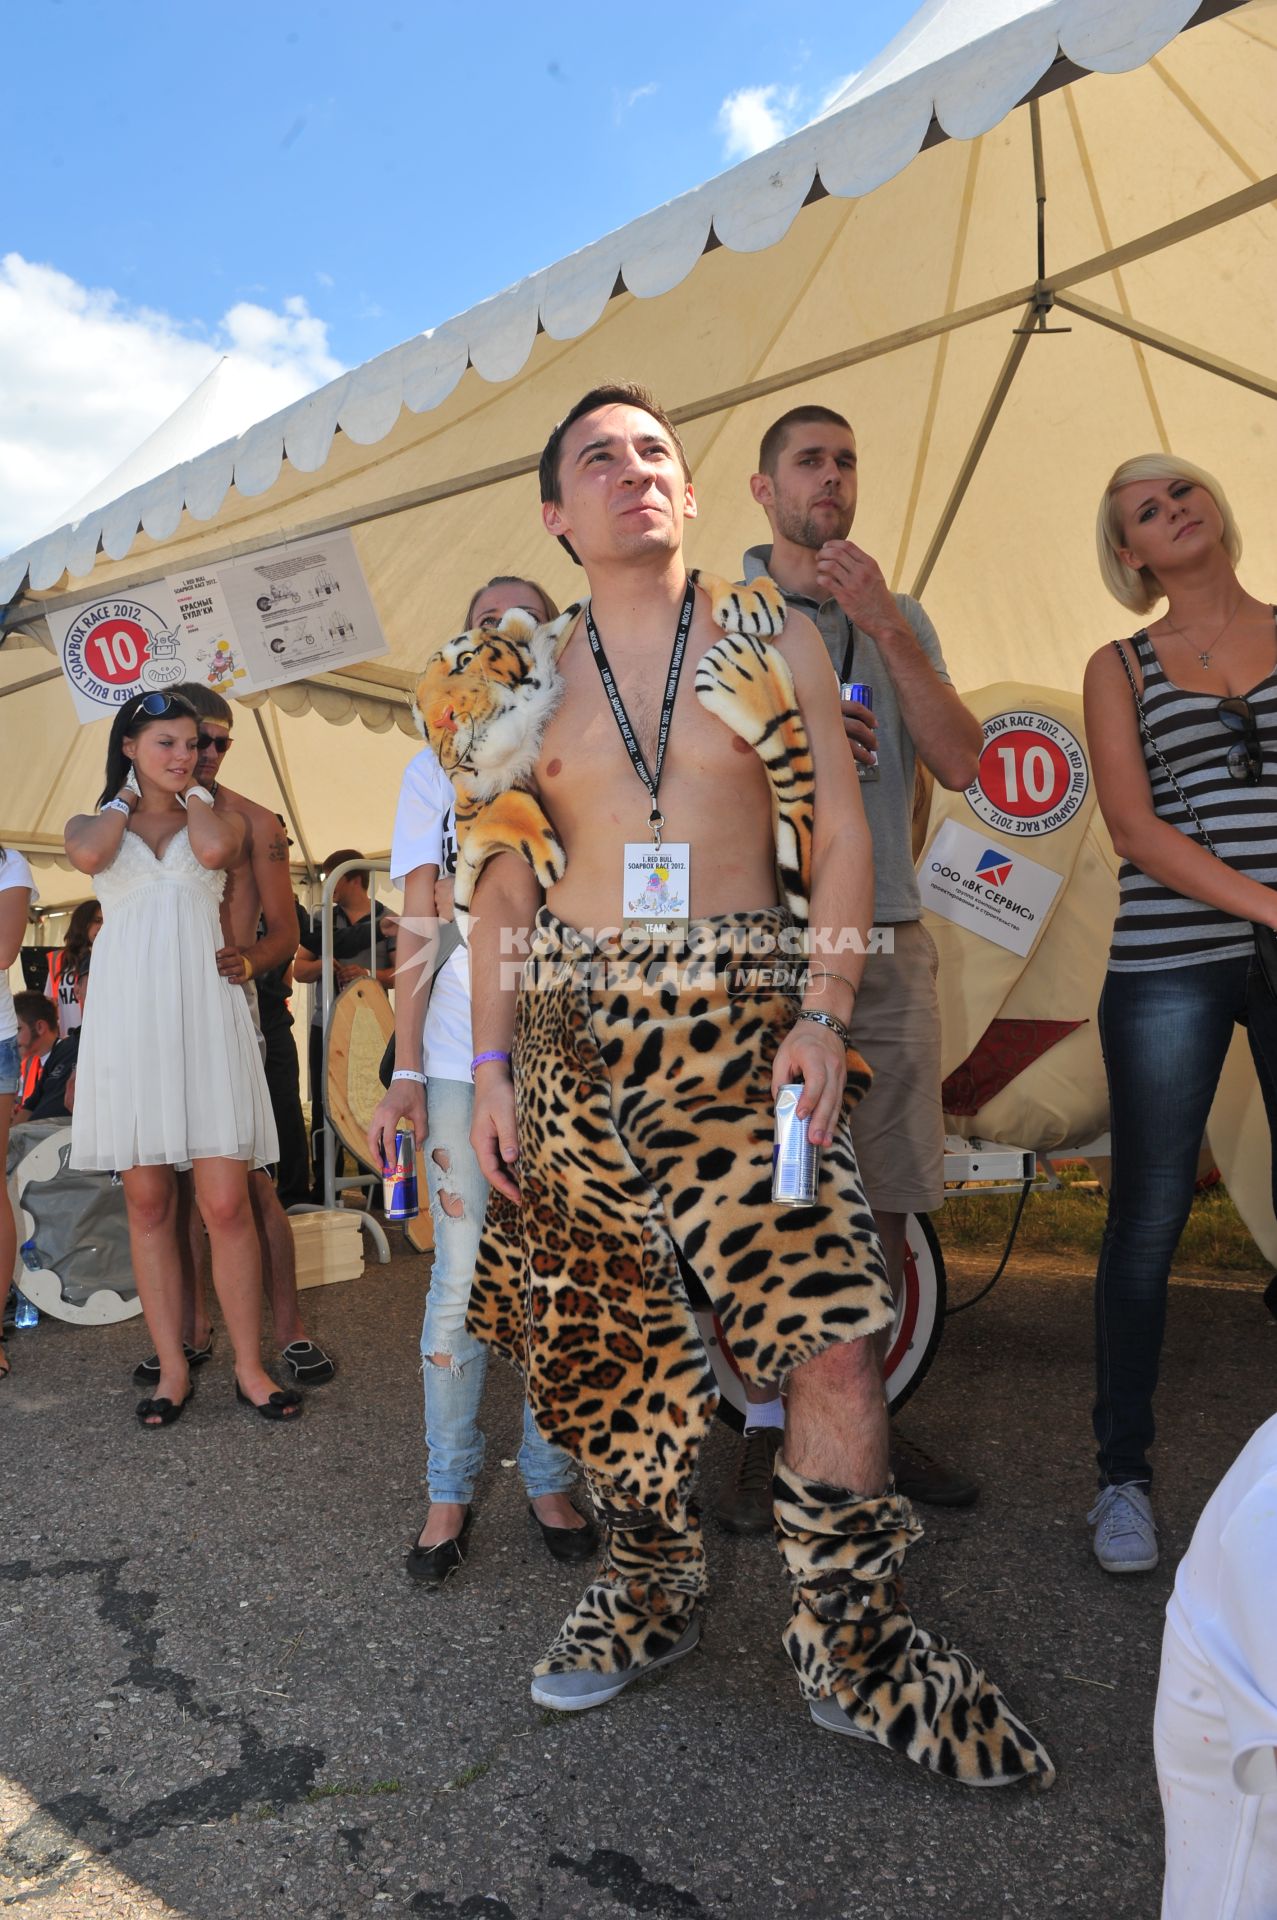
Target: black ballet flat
(570, 1545)
(433, 1565)
(284, 1404)
(169, 1411)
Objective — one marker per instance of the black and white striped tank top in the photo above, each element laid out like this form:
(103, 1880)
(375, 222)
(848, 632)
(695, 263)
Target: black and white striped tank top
(1155, 926)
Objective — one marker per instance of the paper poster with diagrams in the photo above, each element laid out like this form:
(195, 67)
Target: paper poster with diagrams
(302, 609)
(239, 627)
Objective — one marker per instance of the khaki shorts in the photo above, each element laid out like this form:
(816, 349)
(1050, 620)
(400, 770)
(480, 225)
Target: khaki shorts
(898, 1128)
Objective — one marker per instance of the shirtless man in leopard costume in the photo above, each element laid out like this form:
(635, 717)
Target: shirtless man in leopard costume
(624, 1087)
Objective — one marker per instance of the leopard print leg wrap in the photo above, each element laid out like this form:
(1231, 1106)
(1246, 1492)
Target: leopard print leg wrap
(852, 1639)
(641, 1601)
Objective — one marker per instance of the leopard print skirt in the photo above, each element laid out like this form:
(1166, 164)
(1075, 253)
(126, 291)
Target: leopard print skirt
(642, 1072)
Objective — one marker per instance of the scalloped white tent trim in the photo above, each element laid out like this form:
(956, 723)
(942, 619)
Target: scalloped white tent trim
(964, 68)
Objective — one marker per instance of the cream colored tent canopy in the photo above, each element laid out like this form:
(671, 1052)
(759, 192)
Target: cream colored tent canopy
(1005, 299)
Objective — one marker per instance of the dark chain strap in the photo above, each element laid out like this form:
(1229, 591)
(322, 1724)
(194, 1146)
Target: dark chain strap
(1147, 732)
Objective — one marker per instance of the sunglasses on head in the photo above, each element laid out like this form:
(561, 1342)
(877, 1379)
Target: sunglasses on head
(1246, 756)
(154, 706)
(218, 742)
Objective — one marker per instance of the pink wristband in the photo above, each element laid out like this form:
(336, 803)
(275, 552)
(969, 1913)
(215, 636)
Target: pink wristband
(480, 1058)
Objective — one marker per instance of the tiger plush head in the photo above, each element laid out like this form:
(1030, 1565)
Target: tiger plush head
(483, 700)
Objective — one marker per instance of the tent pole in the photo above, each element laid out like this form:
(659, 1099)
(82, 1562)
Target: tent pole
(942, 351)
(1170, 343)
(35, 680)
(286, 794)
(988, 418)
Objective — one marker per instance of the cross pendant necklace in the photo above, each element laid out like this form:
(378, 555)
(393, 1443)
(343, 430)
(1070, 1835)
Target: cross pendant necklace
(1204, 657)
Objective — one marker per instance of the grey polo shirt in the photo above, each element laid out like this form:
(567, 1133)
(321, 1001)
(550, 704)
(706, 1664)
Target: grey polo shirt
(889, 799)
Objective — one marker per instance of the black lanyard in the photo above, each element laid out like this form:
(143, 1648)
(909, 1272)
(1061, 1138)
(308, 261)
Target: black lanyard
(652, 781)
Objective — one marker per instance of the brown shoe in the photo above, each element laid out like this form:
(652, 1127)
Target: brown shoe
(746, 1506)
(919, 1476)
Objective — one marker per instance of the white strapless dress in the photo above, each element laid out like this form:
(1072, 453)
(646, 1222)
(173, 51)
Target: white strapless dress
(169, 1069)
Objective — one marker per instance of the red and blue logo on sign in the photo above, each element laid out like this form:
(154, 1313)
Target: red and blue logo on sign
(994, 867)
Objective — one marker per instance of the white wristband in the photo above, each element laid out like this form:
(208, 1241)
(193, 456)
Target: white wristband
(196, 793)
(116, 806)
(406, 1073)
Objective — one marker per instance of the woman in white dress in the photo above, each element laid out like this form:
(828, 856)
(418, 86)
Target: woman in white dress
(169, 1073)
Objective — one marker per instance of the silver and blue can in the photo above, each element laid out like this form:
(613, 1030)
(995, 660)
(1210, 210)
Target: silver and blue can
(863, 694)
(399, 1180)
(795, 1160)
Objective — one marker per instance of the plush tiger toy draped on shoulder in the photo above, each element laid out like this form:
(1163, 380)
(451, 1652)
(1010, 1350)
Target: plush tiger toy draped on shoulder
(484, 699)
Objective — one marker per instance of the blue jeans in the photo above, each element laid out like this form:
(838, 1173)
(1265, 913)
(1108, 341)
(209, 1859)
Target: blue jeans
(1164, 1035)
(458, 1199)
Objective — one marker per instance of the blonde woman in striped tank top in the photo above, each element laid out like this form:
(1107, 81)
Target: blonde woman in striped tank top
(1181, 721)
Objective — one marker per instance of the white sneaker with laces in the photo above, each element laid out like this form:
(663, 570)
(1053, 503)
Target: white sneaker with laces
(1125, 1531)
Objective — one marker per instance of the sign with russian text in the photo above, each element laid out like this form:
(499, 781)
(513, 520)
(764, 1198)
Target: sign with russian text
(991, 890)
(239, 627)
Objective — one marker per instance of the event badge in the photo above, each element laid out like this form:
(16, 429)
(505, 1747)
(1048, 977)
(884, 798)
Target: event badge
(656, 888)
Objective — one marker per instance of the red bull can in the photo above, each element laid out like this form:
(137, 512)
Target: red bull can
(795, 1161)
(863, 694)
(399, 1180)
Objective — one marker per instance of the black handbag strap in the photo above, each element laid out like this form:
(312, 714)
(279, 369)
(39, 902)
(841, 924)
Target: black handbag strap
(1147, 732)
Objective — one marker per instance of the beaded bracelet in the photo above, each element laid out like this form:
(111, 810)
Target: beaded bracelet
(492, 1054)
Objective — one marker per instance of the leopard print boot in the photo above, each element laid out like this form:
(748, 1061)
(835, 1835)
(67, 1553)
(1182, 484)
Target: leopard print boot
(637, 1614)
(863, 1665)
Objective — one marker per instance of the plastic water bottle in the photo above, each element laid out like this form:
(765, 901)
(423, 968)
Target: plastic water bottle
(27, 1314)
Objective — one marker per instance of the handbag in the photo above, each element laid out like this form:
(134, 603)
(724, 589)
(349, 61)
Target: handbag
(1265, 937)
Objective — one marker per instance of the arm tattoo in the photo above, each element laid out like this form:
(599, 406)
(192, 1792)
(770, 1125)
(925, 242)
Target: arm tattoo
(278, 849)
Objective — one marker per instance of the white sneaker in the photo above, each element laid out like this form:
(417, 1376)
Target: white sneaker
(1125, 1532)
(576, 1691)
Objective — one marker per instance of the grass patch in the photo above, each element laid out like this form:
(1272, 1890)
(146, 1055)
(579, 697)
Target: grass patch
(351, 1789)
(1071, 1221)
(468, 1776)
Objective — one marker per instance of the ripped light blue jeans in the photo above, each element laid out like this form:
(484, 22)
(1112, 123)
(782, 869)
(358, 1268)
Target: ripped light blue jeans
(458, 1199)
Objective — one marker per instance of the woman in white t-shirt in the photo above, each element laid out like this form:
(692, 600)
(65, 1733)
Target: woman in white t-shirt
(17, 891)
(1215, 1724)
(432, 1095)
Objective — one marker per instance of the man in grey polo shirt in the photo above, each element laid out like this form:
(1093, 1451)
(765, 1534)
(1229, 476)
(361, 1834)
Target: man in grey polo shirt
(806, 485)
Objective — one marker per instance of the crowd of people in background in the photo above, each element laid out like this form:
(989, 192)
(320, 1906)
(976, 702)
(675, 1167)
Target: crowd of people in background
(194, 931)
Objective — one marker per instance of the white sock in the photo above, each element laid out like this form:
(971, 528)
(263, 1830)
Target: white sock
(761, 1414)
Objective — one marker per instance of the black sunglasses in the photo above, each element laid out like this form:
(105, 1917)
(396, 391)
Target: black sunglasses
(219, 742)
(1246, 757)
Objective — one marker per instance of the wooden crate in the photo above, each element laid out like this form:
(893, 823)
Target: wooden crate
(329, 1248)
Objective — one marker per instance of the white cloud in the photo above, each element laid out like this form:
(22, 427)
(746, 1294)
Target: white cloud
(756, 117)
(622, 102)
(85, 378)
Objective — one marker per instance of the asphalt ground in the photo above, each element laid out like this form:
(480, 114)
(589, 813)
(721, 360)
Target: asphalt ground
(221, 1696)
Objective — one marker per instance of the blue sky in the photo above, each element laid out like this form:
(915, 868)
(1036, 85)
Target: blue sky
(303, 186)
